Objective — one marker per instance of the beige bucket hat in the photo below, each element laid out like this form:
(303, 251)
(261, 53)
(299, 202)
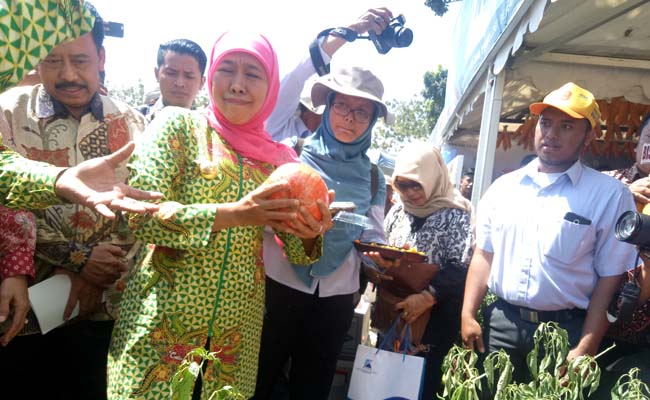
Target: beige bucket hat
(305, 98)
(352, 81)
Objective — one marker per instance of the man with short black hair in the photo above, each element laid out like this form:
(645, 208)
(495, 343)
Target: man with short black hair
(466, 185)
(545, 240)
(180, 75)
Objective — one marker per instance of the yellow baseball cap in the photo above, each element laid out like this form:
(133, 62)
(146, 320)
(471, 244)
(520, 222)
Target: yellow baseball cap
(573, 100)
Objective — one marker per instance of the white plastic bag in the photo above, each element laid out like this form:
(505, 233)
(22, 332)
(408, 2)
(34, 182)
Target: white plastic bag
(381, 375)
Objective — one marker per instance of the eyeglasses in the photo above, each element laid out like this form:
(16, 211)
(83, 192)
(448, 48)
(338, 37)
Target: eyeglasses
(359, 114)
(403, 186)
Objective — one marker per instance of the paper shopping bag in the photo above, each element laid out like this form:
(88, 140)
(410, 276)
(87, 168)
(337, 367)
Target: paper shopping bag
(383, 375)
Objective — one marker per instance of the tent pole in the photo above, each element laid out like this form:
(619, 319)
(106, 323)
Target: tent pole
(488, 134)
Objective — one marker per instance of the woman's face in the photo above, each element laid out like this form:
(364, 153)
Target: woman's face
(239, 87)
(411, 191)
(350, 116)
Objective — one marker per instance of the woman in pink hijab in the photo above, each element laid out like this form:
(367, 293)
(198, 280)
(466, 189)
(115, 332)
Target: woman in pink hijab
(200, 282)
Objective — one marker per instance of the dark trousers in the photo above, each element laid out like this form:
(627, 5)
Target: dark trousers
(506, 330)
(440, 334)
(308, 329)
(68, 363)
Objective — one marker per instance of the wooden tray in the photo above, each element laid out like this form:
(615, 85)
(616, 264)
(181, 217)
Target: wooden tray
(391, 252)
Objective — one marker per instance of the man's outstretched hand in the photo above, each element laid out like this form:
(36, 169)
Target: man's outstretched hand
(94, 183)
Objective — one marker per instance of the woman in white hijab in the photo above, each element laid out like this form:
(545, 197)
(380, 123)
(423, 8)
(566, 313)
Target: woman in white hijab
(434, 218)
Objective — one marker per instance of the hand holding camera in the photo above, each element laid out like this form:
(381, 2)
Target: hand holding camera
(395, 35)
(641, 190)
(384, 30)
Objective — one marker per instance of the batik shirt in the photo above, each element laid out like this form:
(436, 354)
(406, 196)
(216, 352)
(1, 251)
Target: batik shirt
(637, 329)
(24, 41)
(192, 286)
(626, 175)
(444, 236)
(42, 130)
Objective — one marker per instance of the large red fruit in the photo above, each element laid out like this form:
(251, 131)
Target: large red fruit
(305, 184)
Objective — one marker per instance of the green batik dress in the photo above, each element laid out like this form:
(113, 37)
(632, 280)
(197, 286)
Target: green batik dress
(25, 183)
(190, 284)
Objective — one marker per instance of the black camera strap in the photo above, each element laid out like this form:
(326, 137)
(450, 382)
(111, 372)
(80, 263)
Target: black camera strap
(344, 33)
(314, 50)
(624, 303)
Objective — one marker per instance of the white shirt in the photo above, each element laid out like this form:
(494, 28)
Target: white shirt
(285, 122)
(344, 280)
(544, 259)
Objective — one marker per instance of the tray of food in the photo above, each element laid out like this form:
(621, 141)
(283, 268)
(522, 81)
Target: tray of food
(391, 252)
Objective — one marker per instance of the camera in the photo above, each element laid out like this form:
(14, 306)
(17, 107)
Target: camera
(395, 35)
(114, 29)
(623, 303)
(634, 228)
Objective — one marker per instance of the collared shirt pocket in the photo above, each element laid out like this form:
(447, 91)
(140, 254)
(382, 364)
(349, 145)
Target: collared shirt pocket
(568, 241)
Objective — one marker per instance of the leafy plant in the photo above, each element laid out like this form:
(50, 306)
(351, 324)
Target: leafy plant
(498, 361)
(552, 377)
(461, 378)
(487, 300)
(182, 382)
(630, 387)
(555, 342)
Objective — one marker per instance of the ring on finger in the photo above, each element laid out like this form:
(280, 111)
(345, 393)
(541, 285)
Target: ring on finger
(379, 19)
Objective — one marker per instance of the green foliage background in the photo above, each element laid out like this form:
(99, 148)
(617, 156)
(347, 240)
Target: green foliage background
(414, 118)
(440, 7)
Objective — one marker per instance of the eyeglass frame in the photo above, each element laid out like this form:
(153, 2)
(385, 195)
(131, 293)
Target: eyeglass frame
(354, 112)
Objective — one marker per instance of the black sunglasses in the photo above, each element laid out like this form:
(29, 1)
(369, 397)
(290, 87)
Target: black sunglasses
(404, 186)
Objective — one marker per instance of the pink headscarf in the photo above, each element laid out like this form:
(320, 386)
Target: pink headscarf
(250, 139)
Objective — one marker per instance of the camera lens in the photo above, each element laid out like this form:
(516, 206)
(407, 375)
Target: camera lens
(633, 228)
(403, 37)
(626, 226)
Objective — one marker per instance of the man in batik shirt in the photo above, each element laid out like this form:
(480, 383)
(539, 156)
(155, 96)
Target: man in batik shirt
(632, 335)
(64, 121)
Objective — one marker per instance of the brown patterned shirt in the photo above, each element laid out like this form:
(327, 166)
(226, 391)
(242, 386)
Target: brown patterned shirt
(41, 129)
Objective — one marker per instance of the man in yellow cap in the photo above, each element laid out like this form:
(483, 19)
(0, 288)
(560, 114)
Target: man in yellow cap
(545, 242)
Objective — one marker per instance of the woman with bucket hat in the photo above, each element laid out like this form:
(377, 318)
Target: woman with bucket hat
(309, 309)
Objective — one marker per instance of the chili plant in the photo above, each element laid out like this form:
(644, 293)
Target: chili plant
(552, 377)
(630, 387)
(462, 380)
(498, 361)
(182, 382)
(555, 344)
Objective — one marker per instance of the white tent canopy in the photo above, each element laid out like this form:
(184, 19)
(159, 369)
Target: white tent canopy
(531, 47)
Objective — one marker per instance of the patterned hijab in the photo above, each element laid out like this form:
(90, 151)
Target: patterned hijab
(423, 163)
(250, 139)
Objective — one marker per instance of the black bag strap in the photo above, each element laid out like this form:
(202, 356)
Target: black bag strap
(374, 180)
(374, 170)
